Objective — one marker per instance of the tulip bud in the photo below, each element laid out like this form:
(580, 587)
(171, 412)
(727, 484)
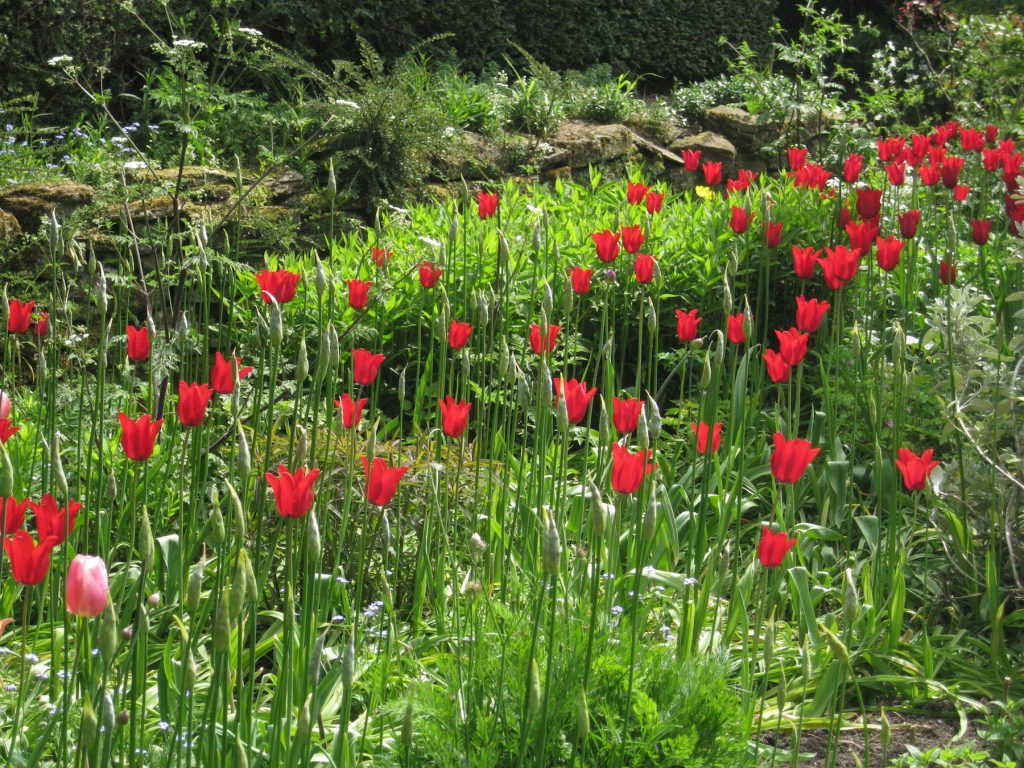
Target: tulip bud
(523, 392)
(371, 440)
(90, 726)
(855, 339)
(59, 478)
(238, 590)
(401, 387)
(606, 350)
(107, 639)
(748, 322)
(886, 732)
(101, 291)
(503, 250)
(533, 690)
(547, 304)
(320, 278)
(316, 659)
(54, 232)
(503, 360)
(545, 384)
(598, 513)
(241, 756)
(145, 544)
(652, 317)
(851, 601)
(245, 565)
(222, 626)
(217, 531)
(108, 716)
(313, 547)
(562, 414)
(182, 329)
(642, 435)
(111, 487)
(41, 367)
(195, 585)
(769, 642)
(301, 445)
(719, 348)
(465, 362)
(604, 428)
(657, 272)
(302, 364)
(726, 295)
(650, 523)
(582, 717)
(837, 646)
(243, 461)
(348, 663)
(453, 227)
(551, 552)
(536, 236)
(276, 325)
(332, 180)
(305, 724)
(899, 344)
(653, 418)
(705, 376)
(237, 512)
(6, 474)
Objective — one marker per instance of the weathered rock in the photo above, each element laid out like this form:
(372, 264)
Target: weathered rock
(471, 157)
(712, 146)
(551, 175)
(577, 144)
(284, 184)
(746, 131)
(9, 226)
(30, 203)
(653, 151)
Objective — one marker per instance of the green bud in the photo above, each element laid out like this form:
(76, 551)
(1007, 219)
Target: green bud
(241, 754)
(107, 715)
(222, 626)
(504, 360)
(301, 445)
(536, 236)
(252, 589)
(59, 478)
(650, 523)
(101, 290)
(533, 690)
(547, 305)
(313, 547)
(503, 249)
(6, 474)
(719, 348)
(195, 585)
(652, 317)
(401, 386)
(886, 732)
(604, 428)
(90, 726)
(320, 278)
(332, 180)
(54, 232)
(551, 552)
(705, 376)
(276, 325)
(835, 644)
(642, 434)
(111, 488)
(726, 295)
(302, 363)
(243, 460)
(218, 533)
(562, 415)
(182, 329)
(239, 587)
(107, 639)
(851, 601)
(316, 659)
(582, 717)
(238, 513)
(545, 384)
(145, 544)
(453, 227)
(407, 721)
(305, 724)
(348, 663)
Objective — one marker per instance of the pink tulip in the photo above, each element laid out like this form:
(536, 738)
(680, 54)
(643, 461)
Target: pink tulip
(5, 405)
(88, 589)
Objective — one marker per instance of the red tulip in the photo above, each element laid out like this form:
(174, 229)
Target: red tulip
(845, 217)
(947, 272)
(458, 334)
(772, 547)
(792, 345)
(540, 343)
(5, 405)
(971, 140)
(791, 458)
(908, 223)
(454, 416)
(862, 235)
(852, 168)
(607, 244)
(580, 279)
(222, 375)
(960, 192)
(632, 238)
(351, 409)
(840, 266)
(293, 492)
(429, 274)
(279, 285)
(381, 481)
(701, 432)
(12, 514)
(629, 469)
(739, 220)
(487, 204)
(87, 587)
(29, 561)
(772, 231)
(888, 252)
(358, 293)
(778, 368)
(691, 159)
(686, 324)
(980, 229)
(7, 430)
(712, 173)
(809, 313)
(19, 315)
(915, 469)
(626, 414)
(42, 324)
(53, 521)
(655, 201)
(811, 176)
(192, 401)
(869, 202)
(138, 343)
(643, 268)
(635, 192)
(365, 365)
(734, 327)
(139, 436)
(897, 173)
(380, 256)
(949, 171)
(804, 261)
(991, 133)
(577, 397)
(992, 159)
(929, 174)
(797, 157)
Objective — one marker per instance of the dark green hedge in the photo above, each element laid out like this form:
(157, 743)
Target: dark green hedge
(676, 40)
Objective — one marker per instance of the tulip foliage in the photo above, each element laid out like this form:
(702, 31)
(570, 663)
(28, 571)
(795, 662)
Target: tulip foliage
(514, 447)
